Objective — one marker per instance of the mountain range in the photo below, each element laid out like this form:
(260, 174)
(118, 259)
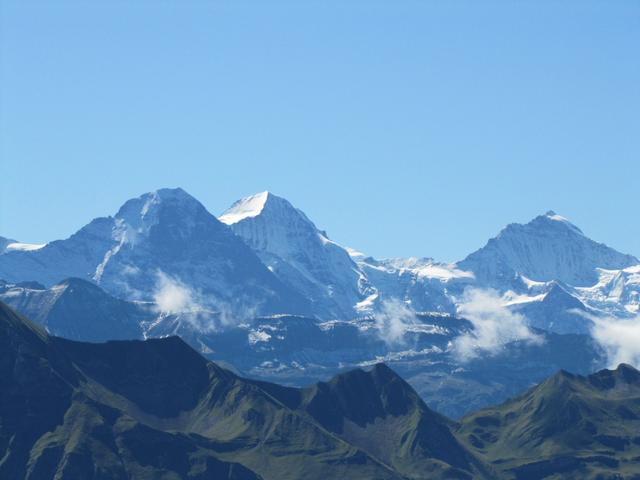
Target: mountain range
(263, 256)
(299, 350)
(160, 235)
(157, 409)
(569, 426)
(265, 292)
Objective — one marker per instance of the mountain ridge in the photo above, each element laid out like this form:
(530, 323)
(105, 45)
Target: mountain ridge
(113, 398)
(164, 247)
(547, 248)
(156, 409)
(576, 426)
(162, 234)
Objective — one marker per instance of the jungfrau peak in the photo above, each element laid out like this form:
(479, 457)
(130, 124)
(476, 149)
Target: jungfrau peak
(547, 248)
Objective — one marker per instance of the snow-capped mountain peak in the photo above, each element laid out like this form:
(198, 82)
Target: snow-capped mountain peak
(247, 207)
(266, 205)
(161, 236)
(271, 223)
(147, 209)
(300, 254)
(547, 248)
(264, 255)
(554, 217)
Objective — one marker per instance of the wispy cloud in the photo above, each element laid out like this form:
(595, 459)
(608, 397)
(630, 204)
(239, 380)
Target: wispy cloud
(494, 325)
(204, 313)
(392, 321)
(172, 296)
(619, 338)
(242, 310)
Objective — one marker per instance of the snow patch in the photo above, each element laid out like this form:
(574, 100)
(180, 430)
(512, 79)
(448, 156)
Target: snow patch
(257, 336)
(367, 304)
(511, 298)
(551, 215)
(532, 284)
(355, 254)
(247, 207)
(24, 247)
(443, 272)
(426, 268)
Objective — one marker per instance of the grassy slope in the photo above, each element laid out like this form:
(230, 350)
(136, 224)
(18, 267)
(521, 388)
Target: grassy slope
(157, 409)
(569, 426)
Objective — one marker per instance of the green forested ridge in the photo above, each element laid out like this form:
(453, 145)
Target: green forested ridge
(157, 409)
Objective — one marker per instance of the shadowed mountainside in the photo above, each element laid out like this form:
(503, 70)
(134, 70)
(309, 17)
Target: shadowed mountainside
(134, 409)
(569, 426)
(157, 409)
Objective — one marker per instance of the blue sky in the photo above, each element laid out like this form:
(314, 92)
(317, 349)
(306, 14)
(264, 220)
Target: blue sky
(402, 128)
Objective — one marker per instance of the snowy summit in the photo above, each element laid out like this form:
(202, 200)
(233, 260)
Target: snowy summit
(247, 207)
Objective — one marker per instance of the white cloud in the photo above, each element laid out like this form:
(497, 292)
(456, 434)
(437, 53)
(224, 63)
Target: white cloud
(494, 325)
(229, 315)
(205, 313)
(172, 296)
(392, 321)
(130, 270)
(619, 338)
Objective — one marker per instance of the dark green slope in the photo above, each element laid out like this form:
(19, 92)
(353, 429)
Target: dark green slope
(36, 386)
(169, 387)
(51, 426)
(569, 426)
(380, 413)
(96, 441)
(157, 409)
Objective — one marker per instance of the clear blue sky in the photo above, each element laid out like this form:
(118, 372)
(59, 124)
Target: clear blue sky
(400, 127)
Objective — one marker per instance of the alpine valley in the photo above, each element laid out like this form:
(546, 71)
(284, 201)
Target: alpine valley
(267, 295)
